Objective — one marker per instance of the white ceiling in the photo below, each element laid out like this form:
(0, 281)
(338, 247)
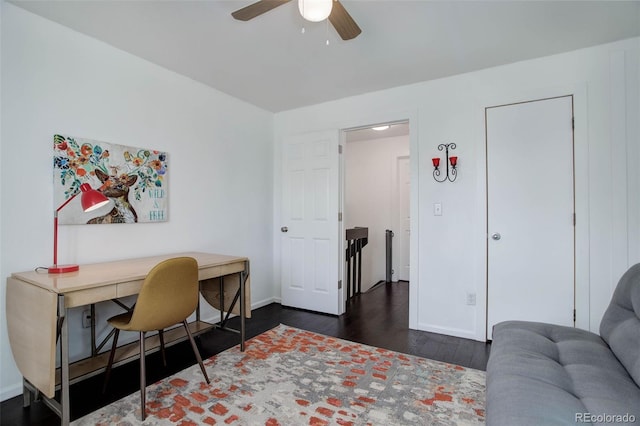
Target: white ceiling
(268, 62)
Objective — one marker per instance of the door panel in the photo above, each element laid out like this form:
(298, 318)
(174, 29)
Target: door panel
(310, 245)
(530, 206)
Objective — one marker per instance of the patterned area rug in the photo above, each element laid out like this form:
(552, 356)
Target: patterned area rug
(289, 376)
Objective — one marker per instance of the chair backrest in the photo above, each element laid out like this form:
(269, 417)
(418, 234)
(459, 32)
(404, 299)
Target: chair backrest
(620, 325)
(168, 296)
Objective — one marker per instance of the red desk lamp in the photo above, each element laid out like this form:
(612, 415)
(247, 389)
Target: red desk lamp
(90, 200)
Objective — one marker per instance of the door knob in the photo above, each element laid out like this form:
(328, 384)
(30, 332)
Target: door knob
(495, 236)
(284, 229)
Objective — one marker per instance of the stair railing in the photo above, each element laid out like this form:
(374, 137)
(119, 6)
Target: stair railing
(357, 238)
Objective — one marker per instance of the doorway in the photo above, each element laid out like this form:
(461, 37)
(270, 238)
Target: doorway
(530, 212)
(376, 196)
(314, 217)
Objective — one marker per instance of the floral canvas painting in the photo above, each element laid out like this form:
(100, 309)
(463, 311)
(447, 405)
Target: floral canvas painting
(134, 179)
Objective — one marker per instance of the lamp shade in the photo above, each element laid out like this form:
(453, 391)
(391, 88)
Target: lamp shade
(91, 199)
(315, 10)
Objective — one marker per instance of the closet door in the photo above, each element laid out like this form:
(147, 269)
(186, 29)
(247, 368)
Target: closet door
(530, 212)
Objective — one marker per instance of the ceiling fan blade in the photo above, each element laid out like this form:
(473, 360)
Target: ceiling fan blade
(343, 22)
(257, 9)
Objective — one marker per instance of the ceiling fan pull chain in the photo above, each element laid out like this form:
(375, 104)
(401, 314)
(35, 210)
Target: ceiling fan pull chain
(327, 27)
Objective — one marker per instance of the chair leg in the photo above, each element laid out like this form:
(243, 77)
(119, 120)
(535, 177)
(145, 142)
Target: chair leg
(164, 356)
(195, 350)
(107, 373)
(143, 378)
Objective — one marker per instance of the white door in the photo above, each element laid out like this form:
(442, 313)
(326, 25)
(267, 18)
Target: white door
(530, 212)
(403, 237)
(309, 224)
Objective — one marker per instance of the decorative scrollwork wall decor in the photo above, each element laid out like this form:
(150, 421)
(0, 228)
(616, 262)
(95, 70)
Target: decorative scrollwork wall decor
(450, 173)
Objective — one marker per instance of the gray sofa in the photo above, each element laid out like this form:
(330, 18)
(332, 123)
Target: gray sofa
(542, 374)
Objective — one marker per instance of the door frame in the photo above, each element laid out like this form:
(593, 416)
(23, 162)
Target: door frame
(581, 196)
(397, 217)
(410, 116)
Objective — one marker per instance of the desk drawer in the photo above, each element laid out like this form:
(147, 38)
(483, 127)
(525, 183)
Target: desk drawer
(129, 288)
(99, 294)
(89, 296)
(220, 271)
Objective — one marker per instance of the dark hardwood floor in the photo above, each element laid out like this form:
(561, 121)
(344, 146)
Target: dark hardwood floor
(378, 317)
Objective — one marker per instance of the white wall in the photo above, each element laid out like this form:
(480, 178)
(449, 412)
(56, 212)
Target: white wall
(449, 252)
(371, 197)
(55, 80)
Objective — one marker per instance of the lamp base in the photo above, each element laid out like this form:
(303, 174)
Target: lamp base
(62, 269)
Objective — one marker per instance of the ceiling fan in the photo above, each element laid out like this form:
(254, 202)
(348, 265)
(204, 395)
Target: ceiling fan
(337, 14)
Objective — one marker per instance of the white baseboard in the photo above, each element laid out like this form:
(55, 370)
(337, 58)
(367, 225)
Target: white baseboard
(455, 332)
(265, 302)
(10, 391)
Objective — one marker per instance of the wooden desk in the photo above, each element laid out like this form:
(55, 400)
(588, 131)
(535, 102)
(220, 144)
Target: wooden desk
(37, 305)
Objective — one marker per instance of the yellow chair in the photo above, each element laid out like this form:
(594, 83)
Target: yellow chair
(168, 296)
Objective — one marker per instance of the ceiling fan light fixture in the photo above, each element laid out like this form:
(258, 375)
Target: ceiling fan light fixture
(315, 10)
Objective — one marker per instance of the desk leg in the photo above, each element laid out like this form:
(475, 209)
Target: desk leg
(243, 280)
(221, 292)
(64, 362)
(26, 394)
(94, 350)
(198, 305)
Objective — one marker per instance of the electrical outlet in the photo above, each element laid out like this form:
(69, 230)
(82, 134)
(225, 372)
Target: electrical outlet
(471, 299)
(86, 318)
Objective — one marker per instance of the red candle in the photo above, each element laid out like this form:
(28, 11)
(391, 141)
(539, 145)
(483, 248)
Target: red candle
(453, 160)
(436, 162)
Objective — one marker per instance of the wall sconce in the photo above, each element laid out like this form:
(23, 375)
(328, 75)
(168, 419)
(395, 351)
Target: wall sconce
(450, 174)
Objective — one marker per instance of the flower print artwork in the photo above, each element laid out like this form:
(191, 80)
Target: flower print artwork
(134, 179)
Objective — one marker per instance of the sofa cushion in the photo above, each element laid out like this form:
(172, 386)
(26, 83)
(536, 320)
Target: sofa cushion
(542, 374)
(620, 325)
